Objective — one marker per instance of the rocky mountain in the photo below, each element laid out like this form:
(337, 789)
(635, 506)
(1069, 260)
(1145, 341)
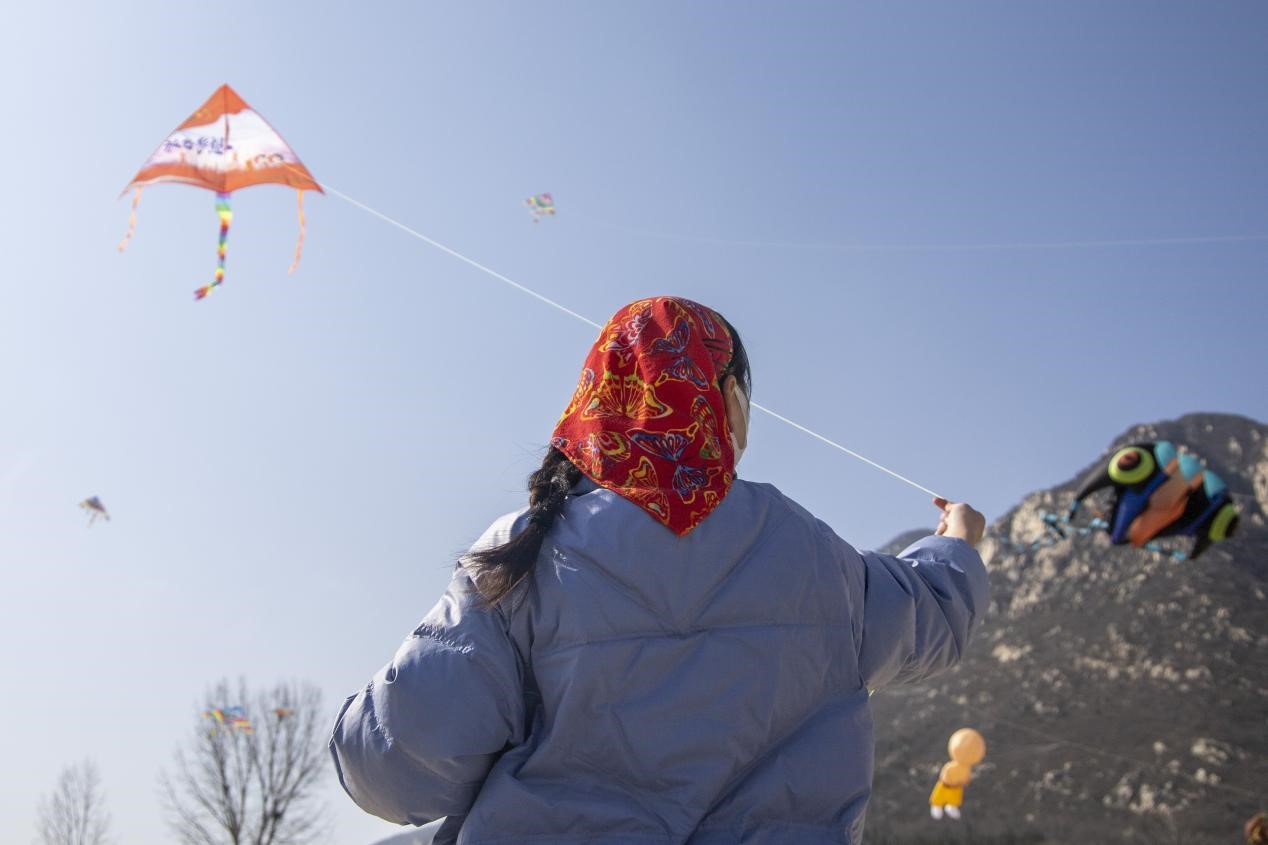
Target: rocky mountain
(1123, 694)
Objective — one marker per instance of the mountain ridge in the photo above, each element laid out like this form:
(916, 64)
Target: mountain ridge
(1123, 694)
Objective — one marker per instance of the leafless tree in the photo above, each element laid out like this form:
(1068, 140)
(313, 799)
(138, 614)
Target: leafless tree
(249, 772)
(75, 814)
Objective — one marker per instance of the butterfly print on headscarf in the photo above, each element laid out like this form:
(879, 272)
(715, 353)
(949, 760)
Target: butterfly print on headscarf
(669, 446)
(713, 334)
(583, 387)
(703, 415)
(711, 500)
(682, 368)
(627, 397)
(654, 403)
(665, 444)
(704, 319)
(687, 480)
(623, 338)
(603, 449)
(643, 488)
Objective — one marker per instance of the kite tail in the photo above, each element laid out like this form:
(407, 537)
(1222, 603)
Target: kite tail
(299, 244)
(136, 200)
(226, 217)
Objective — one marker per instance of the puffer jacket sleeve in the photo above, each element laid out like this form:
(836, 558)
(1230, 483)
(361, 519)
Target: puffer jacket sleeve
(919, 608)
(418, 741)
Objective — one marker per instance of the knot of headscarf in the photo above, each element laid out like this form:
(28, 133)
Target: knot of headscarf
(647, 420)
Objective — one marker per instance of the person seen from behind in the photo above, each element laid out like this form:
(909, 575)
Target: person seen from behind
(655, 650)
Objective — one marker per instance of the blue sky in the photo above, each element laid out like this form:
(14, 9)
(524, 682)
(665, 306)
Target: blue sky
(865, 190)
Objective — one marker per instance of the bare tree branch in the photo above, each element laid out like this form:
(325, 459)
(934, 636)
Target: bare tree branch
(255, 784)
(75, 814)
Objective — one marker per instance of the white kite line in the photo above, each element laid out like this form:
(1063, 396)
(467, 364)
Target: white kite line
(476, 264)
(558, 306)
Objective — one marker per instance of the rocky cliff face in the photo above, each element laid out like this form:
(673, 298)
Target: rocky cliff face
(1123, 694)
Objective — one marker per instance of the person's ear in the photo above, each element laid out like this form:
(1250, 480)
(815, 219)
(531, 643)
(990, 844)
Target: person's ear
(736, 412)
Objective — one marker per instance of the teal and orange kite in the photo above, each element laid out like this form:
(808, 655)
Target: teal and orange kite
(1160, 490)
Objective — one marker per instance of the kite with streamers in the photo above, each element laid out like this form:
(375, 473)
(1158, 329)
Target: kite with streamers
(224, 146)
(1159, 491)
(95, 509)
(539, 206)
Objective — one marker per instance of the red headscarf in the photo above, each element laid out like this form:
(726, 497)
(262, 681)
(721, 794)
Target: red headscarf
(648, 420)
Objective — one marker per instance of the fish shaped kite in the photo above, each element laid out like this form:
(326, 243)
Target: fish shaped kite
(539, 206)
(224, 146)
(95, 509)
(1160, 490)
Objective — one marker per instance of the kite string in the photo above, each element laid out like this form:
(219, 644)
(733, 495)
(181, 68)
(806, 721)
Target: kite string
(552, 303)
(1124, 759)
(849, 452)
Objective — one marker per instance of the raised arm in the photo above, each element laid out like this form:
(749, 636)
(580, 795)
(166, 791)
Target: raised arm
(921, 605)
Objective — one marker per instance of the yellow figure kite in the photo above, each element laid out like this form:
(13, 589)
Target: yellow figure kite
(967, 748)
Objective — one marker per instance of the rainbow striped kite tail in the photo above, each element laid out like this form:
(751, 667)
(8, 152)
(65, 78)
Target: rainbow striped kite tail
(225, 213)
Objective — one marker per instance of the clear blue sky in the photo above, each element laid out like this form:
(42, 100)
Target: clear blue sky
(293, 463)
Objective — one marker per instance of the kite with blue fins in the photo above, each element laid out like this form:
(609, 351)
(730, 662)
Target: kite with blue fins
(1159, 491)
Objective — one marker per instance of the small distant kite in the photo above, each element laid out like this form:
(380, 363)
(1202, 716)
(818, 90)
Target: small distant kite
(966, 748)
(234, 718)
(1159, 491)
(539, 206)
(224, 146)
(283, 712)
(95, 509)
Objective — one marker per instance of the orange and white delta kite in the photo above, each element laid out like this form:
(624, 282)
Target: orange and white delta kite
(224, 146)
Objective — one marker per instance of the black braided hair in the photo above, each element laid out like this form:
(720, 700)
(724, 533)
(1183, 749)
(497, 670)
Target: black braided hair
(499, 570)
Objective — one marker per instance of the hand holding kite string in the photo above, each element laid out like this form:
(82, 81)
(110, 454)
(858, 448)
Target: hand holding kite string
(960, 520)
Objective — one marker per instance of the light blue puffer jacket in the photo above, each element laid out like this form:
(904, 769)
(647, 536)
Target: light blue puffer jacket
(648, 688)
